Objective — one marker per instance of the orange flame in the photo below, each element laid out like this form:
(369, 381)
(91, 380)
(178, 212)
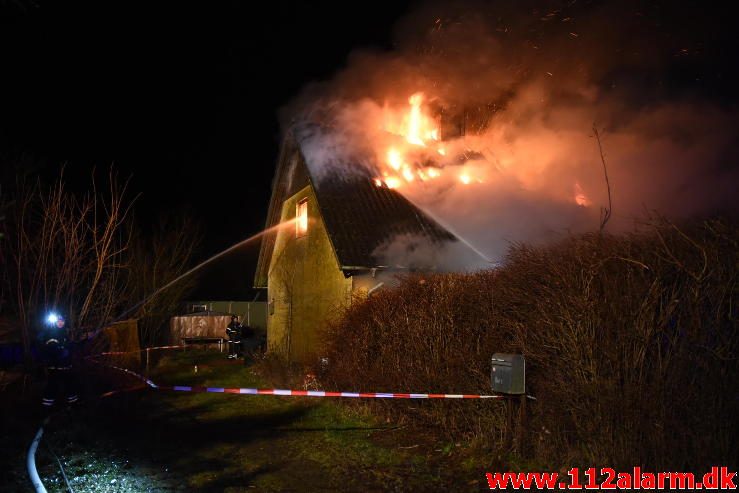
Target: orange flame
(394, 159)
(416, 121)
(580, 197)
(392, 182)
(416, 156)
(419, 130)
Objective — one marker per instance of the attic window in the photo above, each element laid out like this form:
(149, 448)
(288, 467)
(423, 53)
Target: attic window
(301, 218)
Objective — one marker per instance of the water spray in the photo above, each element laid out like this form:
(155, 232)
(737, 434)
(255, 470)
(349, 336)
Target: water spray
(452, 231)
(193, 270)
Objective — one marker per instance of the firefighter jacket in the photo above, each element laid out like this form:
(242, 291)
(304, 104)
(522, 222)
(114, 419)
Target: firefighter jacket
(56, 351)
(233, 331)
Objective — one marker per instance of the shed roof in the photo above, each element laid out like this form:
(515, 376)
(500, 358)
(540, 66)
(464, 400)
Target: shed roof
(205, 313)
(359, 216)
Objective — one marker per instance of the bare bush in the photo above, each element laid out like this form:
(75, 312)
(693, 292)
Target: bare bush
(66, 252)
(84, 255)
(156, 260)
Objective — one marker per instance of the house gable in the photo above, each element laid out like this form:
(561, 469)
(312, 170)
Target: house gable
(359, 216)
(310, 275)
(306, 285)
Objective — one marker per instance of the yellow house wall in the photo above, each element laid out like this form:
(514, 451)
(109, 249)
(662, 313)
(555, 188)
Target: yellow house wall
(306, 286)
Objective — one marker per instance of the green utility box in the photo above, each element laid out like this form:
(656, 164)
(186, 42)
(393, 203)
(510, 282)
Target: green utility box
(508, 373)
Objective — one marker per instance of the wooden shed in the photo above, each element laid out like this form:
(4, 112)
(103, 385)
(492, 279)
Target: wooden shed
(198, 325)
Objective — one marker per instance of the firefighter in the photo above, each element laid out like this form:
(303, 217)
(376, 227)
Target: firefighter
(233, 331)
(58, 360)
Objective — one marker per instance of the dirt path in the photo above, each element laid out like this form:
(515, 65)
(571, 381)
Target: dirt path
(146, 440)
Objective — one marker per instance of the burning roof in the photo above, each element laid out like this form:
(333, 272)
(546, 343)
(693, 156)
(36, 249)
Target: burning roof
(360, 216)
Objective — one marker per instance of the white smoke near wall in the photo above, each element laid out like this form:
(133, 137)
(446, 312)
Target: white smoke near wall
(531, 83)
(415, 252)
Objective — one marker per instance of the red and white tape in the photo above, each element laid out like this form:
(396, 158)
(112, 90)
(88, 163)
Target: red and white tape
(113, 353)
(304, 393)
(324, 393)
(136, 375)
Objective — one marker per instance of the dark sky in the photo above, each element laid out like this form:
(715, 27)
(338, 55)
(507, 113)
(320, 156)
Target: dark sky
(183, 97)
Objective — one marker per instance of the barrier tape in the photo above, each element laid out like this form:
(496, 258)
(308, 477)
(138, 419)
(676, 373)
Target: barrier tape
(303, 393)
(114, 353)
(324, 393)
(136, 375)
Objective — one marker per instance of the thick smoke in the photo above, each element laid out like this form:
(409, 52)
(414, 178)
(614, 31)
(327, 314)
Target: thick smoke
(529, 84)
(414, 252)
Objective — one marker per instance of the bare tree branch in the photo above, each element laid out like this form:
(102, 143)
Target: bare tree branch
(605, 211)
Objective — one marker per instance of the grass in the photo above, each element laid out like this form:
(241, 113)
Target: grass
(165, 441)
(303, 442)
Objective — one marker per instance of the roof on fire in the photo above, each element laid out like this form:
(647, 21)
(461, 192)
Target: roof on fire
(359, 216)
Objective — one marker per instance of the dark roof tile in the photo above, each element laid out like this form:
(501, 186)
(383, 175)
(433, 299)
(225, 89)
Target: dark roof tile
(359, 216)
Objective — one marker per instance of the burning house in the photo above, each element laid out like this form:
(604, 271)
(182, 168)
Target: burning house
(347, 231)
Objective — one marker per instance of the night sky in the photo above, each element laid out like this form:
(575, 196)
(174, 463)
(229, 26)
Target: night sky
(182, 97)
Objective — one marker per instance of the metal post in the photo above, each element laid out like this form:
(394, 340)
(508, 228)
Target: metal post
(521, 439)
(508, 443)
(147, 361)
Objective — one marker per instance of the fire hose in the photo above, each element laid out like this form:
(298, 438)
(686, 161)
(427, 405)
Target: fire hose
(31, 460)
(38, 485)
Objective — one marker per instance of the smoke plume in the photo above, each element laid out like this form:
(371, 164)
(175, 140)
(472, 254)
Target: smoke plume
(527, 83)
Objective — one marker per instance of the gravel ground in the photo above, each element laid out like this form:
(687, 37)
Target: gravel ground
(90, 463)
(90, 472)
